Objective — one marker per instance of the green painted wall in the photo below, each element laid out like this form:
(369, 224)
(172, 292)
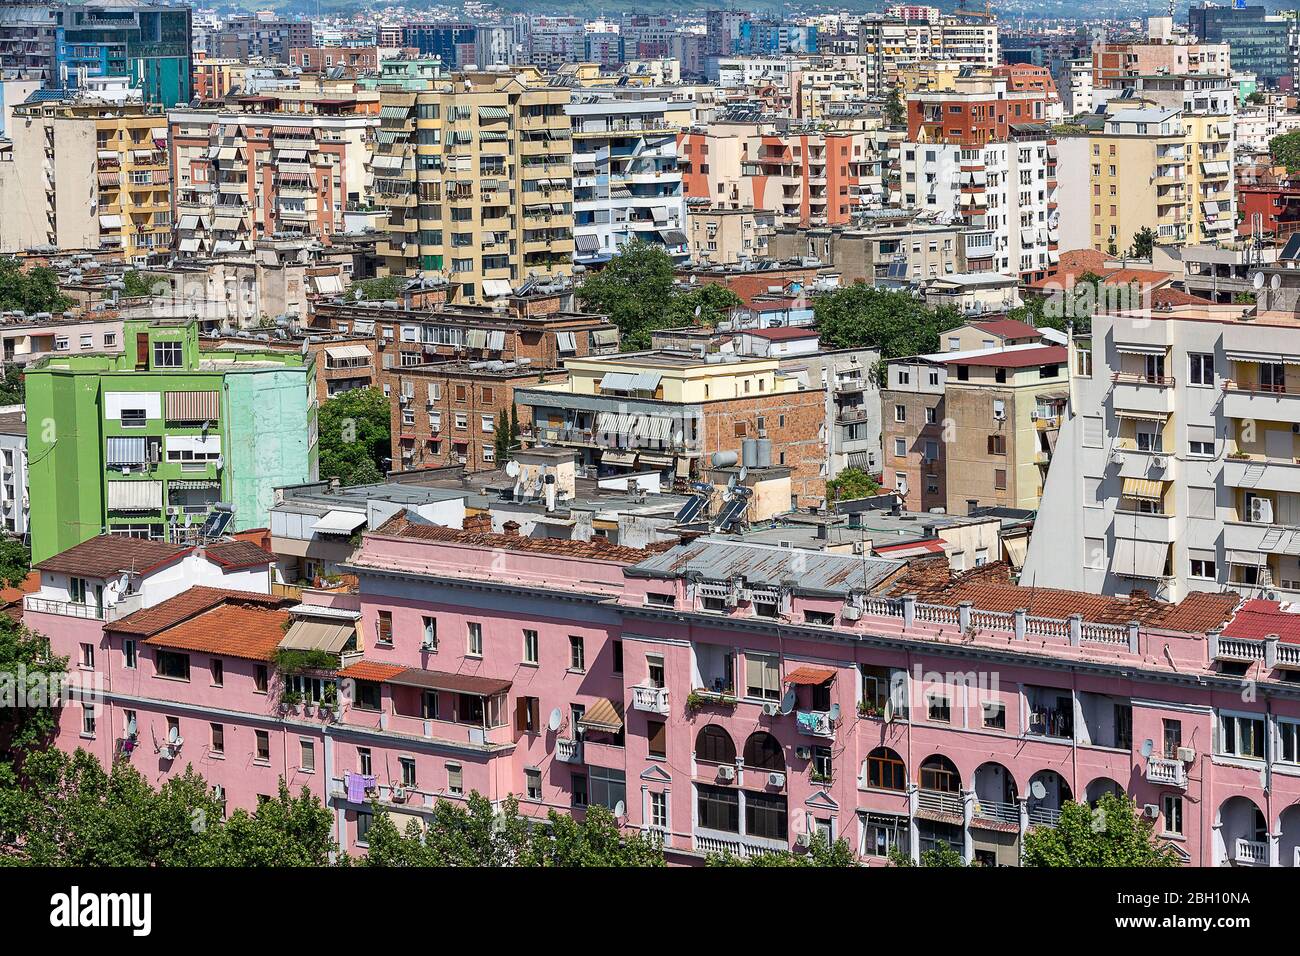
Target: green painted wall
(269, 445)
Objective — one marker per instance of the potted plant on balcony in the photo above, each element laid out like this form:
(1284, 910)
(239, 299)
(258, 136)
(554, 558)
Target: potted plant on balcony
(699, 698)
(870, 710)
(290, 700)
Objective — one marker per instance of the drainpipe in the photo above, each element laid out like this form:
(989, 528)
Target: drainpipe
(967, 813)
(913, 831)
(1023, 803)
(1021, 622)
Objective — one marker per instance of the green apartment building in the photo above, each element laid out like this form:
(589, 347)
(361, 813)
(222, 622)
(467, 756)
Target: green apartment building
(150, 442)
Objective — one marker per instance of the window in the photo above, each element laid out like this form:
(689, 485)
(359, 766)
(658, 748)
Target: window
(823, 769)
(260, 675)
(900, 447)
(88, 655)
(1173, 737)
(1241, 736)
(616, 662)
(938, 707)
(1203, 568)
(87, 720)
(407, 765)
(474, 639)
(77, 590)
(533, 784)
(577, 653)
(368, 695)
(363, 761)
(1200, 369)
(718, 808)
(262, 746)
(1000, 479)
(430, 633)
(766, 815)
(172, 665)
(1173, 813)
(306, 756)
(655, 671)
(128, 654)
(997, 444)
(364, 820)
(762, 677)
(659, 810)
(218, 671)
(714, 745)
(885, 770)
(455, 779)
(384, 632)
(763, 752)
(218, 746)
(527, 715)
(900, 413)
(821, 618)
(608, 788)
(657, 735)
(530, 647)
(167, 355)
(995, 715)
(578, 789)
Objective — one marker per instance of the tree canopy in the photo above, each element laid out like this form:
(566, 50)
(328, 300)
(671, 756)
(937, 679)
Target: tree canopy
(31, 290)
(15, 561)
(23, 729)
(355, 441)
(638, 293)
(851, 483)
(892, 323)
(137, 284)
(1144, 243)
(379, 288)
(1112, 834)
(1286, 150)
(13, 389)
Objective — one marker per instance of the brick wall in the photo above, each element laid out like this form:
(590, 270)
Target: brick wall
(793, 422)
(922, 492)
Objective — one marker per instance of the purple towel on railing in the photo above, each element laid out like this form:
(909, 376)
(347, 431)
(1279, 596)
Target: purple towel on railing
(358, 784)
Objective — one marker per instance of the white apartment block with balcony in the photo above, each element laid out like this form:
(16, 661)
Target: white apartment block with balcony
(1178, 466)
(1004, 191)
(626, 181)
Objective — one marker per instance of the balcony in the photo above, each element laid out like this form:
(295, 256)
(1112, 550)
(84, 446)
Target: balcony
(1250, 852)
(1265, 405)
(1262, 474)
(1044, 816)
(1166, 772)
(568, 750)
(815, 723)
(722, 842)
(92, 612)
(1134, 392)
(652, 700)
(997, 812)
(1140, 526)
(936, 802)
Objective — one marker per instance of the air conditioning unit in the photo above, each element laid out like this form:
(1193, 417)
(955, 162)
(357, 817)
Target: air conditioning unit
(1033, 416)
(776, 779)
(1159, 461)
(399, 795)
(804, 840)
(731, 599)
(803, 753)
(1186, 754)
(726, 772)
(771, 710)
(1150, 811)
(1261, 511)
(851, 612)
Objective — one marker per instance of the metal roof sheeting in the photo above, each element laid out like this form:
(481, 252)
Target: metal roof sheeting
(339, 522)
(806, 571)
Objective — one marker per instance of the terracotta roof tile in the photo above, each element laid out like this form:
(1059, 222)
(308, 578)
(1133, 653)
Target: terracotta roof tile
(597, 549)
(371, 670)
(238, 554)
(186, 605)
(232, 629)
(1256, 619)
(1009, 329)
(1024, 358)
(107, 555)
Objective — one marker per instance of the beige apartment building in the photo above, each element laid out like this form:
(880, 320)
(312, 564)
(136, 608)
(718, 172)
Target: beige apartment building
(87, 175)
(895, 251)
(726, 236)
(477, 177)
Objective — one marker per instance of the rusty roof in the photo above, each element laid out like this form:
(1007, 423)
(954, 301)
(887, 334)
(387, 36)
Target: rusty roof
(107, 555)
(597, 549)
(234, 555)
(765, 565)
(186, 605)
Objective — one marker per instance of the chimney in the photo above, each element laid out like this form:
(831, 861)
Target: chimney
(480, 523)
(510, 529)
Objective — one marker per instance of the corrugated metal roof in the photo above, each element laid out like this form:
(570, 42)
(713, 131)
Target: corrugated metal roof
(815, 571)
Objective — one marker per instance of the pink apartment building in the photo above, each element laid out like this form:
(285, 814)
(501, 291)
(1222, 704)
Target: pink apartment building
(728, 696)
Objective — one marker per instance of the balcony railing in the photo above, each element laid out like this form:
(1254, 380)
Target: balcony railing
(1251, 852)
(93, 612)
(1044, 816)
(936, 801)
(999, 812)
(1166, 772)
(568, 750)
(653, 700)
(815, 723)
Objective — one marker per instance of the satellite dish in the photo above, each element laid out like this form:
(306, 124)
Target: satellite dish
(889, 711)
(744, 473)
(788, 702)
(173, 735)
(620, 809)
(130, 728)
(1257, 280)
(1147, 747)
(512, 468)
(1275, 283)
(555, 718)
(835, 712)
(1037, 790)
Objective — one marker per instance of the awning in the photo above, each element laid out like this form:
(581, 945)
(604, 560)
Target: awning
(585, 243)
(1214, 168)
(386, 161)
(110, 222)
(348, 352)
(617, 382)
(124, 451)
(135, 495)
(458, 683)
(227, 223)
(808, 675)
(660, 213)
(1139, 559)
(605, 336)
(492, 113)
(329, 636)
(227, 153)
(1145, 488)
(193, 406)
(300, 156)
(672, 237)
(646, 381)
(1141, 416)
(190, 244)
(339, 522)
(1016, 549)
(618, 458)
(493, 288)
(195, 444)
(1250, 559)
(328, 285)
(602, 716)
(189, 222)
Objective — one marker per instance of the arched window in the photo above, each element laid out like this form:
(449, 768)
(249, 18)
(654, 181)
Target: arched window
(762, 752)
(885, 770)
(940, 774)
(714, 745)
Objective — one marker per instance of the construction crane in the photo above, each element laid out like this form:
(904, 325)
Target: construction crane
(985, 14)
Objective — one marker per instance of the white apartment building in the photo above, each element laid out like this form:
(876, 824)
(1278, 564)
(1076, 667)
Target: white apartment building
(13, 471)
(747, 72)
(890, 42)
(1005, 191)
(1178, 465)
(626, 182)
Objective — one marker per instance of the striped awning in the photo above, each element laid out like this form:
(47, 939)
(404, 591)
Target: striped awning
(193, 406)
(135, 495)
(492, 113)
(313, 635)
(1144, 488)
(124, 451)
(603, 716)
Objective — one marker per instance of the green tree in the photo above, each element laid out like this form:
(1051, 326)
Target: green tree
(32, 290)
(514, 424)
(1286, 150)
(1074, 306)
(705, 305)
(15, 561)
(895, 110)
(13, 390)
(851, 483)
(137, 284)
(378, 288)
(501, 438)
(1112, 834)
(25, 729)
(635, 289)
(892, 323)
(1144, 242)
(355, 443)
(1255, 99)
(942, 856)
